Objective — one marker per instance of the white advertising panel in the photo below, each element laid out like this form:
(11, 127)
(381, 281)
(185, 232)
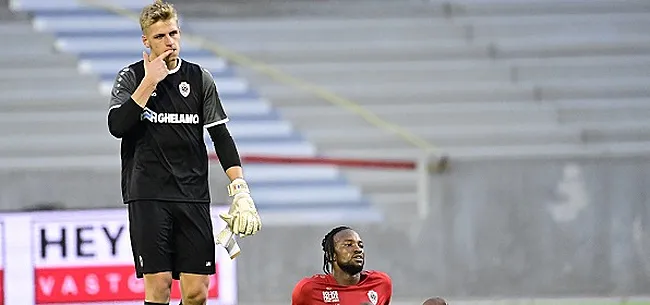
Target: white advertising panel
(85, 257)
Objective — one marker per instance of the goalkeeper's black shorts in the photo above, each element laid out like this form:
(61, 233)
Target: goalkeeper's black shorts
(171, 236)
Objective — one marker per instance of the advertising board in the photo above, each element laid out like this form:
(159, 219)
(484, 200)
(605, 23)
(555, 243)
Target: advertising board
(85, 257)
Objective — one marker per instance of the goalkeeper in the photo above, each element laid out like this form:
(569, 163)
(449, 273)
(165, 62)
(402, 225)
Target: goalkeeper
(159, 107)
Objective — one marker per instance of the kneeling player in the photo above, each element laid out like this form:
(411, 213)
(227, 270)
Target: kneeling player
(344, 282)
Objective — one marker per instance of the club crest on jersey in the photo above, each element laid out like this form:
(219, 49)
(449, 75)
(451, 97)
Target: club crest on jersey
(372, 296)
(331, 296)
(184, 88)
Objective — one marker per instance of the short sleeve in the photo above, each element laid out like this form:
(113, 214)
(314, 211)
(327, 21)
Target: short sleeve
(213, 112)
(298, 296)
(123, 87)
(388, 290)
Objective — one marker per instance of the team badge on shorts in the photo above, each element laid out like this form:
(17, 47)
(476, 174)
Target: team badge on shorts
(372, 296)
(184, 88)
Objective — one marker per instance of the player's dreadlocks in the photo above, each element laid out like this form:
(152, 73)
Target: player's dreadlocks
(328, 248)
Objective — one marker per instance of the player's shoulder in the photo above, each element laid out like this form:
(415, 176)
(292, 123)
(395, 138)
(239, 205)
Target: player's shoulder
(131, 68)
(193, 67)
(310, 281)
(377, 275)
(190, 65)
(186, 64)
(307, 283)
(313, 279)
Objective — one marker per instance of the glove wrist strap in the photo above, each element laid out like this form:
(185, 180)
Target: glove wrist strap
(238, 186)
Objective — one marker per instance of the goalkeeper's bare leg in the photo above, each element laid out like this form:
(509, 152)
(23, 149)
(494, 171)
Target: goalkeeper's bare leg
(194, 289)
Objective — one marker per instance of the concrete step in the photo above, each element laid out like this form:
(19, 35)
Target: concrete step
(584, 61)
(334, 30)
(629, 131)
(382, 180)
(16, 28)
(49, 60)
(51, 84)
(363, 52)
(405, 93)
(559, 19)
(40, 73)
(311, 10)
(605, 23)
(596, 89)
(399, 205)
(633, 148)
(400, 153)
(570, 46)
(68, 92)
(429, 114)
(28, 50)
(603, 111)
(542, 7)
(390, 71)
(55, 104)
(594, 71)
(508, 135)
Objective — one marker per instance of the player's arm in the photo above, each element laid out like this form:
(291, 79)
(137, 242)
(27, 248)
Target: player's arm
(124, 112)
(389, 288)
(242, 218)
(226, 150)
(298, 295)
(128, 97)
(215, 119)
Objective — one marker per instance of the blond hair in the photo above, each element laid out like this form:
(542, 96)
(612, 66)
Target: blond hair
(158, 11)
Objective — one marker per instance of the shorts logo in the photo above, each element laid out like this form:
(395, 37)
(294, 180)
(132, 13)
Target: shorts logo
(208, 263)
(141, 262)
(169, 118)
(331, 296)
(184, 88)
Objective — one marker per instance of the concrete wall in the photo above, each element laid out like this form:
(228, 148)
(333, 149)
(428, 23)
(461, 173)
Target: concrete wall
(497, 228)
(528, 228)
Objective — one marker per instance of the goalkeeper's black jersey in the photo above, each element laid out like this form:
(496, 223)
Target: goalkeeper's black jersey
(164, 156)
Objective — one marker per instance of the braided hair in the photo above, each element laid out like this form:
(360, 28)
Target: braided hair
(328, 248)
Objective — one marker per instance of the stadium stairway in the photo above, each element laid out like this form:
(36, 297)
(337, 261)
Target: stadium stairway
(479, 79)
(103, 43)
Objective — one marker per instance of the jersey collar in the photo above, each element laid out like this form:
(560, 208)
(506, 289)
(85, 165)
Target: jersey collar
(330, 278)
(178, 66)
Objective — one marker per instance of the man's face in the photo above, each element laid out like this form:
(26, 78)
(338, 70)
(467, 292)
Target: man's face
(348, 252)
(162, 36)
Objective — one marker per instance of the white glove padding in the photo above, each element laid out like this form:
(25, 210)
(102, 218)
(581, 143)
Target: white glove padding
(242, 218)
(227, 239)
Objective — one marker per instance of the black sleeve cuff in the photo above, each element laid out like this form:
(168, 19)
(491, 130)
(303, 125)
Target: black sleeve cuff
(123, 118)
(224, 146)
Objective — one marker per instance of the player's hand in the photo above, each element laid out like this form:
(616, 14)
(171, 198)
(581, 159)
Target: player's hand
(242, 218)
(156, 68)
(227, 239)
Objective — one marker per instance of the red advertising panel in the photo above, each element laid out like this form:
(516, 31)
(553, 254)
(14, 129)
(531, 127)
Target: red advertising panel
(90, 260)
(2, 264)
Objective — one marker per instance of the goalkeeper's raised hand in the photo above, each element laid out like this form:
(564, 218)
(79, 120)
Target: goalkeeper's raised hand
(242, 218)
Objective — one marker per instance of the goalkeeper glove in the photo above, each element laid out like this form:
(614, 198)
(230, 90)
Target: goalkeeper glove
(227, 240)
(242, 218)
